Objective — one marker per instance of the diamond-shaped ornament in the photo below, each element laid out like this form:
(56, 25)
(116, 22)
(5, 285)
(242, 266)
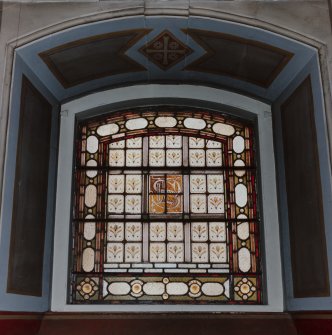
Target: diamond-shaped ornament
(165, 50)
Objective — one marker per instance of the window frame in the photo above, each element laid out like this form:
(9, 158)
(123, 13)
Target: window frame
(196, 96)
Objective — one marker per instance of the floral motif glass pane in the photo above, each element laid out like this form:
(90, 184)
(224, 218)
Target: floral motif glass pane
(173, 141)
(134, 184)
(117, 157)
(133, 157)
(157, 157)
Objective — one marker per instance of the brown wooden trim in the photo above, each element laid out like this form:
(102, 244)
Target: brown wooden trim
(312, 315)
(21, 316)
(305, 315)
(169, 315)
(193, 33)
(139, 33)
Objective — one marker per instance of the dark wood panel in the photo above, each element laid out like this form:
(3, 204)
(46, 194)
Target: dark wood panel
(94, 57)
(240, 58)
(304, 195)
(30, 194)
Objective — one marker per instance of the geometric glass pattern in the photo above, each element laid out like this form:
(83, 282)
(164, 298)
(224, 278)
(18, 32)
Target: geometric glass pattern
(165, 209)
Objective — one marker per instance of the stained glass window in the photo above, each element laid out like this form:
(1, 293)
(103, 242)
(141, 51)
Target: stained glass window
(165, 209)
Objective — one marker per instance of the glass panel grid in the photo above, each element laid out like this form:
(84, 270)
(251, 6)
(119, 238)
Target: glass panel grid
(168, 217)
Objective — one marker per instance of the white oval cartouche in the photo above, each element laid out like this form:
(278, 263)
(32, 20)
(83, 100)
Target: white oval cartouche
(107, 129)
(165, 122)
(223, 129)
(244, 259)
(238, 144)
(241, 196)
(194, 123)
(88, 259)
(92, 144)
(90, 197)
(138, 123)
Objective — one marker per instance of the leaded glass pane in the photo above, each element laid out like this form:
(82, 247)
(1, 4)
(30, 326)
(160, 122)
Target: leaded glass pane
(165, 215)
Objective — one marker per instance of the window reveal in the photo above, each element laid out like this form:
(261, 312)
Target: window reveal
(165, 210)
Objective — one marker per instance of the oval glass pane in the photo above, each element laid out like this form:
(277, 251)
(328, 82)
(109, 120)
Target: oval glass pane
(223, 129)
(244, 260)
(165, 121)
(194, 123)
(241, 195)
(88, 259)
(120, 288)
(108, 129)
(212, 289)
(89, 230)
(138, 123)
(239, 163)
(176, 288)
(91, 173)
(243, 230)
(238, 144)
(92, 144)
(90, 197)
(154, 288)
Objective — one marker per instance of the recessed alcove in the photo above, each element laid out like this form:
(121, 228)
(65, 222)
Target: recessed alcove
(104, 66)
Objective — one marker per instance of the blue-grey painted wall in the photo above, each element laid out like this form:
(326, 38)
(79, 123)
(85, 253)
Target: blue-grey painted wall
(8, 301)
(312, 69)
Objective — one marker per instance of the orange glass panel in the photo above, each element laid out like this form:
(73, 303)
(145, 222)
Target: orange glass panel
(157, 203)
(157, 184)
(174, 184)
(174, 203)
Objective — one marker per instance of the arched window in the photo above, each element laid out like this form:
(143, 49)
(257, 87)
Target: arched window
(165, 209)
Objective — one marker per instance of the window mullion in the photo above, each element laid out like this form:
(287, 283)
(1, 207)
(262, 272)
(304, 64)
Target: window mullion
(145, 198)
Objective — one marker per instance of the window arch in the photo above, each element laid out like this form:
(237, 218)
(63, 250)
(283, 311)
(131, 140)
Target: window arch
(165, 209)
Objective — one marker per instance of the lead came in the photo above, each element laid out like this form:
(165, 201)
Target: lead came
(163, 214)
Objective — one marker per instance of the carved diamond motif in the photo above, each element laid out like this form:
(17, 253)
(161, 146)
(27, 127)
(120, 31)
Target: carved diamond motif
(165, 50)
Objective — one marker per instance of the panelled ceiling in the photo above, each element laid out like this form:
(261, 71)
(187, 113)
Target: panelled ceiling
(165, 49)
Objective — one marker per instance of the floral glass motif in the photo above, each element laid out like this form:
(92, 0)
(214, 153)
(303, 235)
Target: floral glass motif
(165, 209)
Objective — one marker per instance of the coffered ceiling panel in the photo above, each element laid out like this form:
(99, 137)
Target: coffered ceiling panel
(164, 49)
(240, 58)
(94, 57)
